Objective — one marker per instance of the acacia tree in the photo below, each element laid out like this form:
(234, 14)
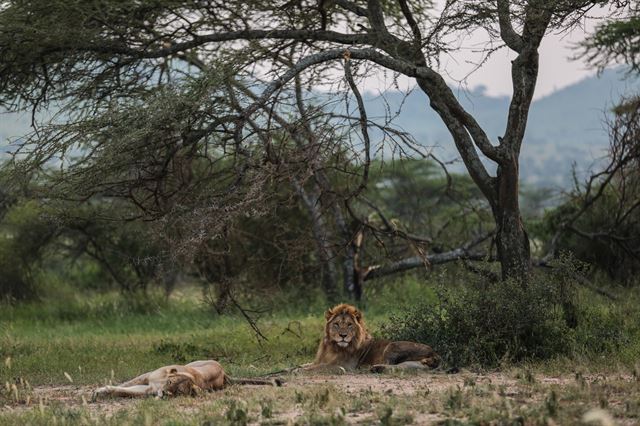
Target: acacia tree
(96, 57)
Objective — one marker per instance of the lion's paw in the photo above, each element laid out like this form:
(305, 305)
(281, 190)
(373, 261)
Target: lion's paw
(100, 392)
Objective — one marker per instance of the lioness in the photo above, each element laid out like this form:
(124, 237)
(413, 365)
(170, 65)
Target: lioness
(173, 380)
(347, 344)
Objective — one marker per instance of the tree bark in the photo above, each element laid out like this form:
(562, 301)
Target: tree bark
(349, 255)
(512, 240)
(322, 238)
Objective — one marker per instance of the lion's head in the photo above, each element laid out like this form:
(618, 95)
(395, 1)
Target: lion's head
(345, 327)
(181, 383)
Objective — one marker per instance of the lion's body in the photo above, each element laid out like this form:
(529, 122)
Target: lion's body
(348, 344)
(189, 379)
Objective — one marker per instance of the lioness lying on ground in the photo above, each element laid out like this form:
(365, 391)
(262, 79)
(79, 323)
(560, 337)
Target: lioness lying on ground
(347, 344)
(191, 379)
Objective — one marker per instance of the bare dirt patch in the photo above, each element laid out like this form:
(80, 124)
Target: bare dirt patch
(350, 383)
(401, 385)
(429, 398)
(75, 396)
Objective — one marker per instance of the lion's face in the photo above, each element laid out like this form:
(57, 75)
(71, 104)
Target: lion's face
(344, 327)
(180, 383)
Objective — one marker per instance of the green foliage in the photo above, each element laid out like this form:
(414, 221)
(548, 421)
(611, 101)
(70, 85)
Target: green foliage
(271, 255)
(47, 245)
(602, 330)
(487, 323)
(418, 197)
(67, 34)
(615, 41)
(128, 254)
(24, 235)
(602, 240)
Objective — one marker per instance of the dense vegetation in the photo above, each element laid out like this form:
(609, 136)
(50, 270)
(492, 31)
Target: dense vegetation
(186, 193)
(265, 262)
(491, 324)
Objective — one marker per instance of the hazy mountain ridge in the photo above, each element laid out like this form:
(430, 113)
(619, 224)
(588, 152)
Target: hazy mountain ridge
(565, 127)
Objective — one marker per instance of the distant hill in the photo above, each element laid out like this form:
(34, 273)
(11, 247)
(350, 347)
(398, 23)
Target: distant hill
(564, 128)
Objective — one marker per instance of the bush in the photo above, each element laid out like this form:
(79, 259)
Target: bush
(486, 323)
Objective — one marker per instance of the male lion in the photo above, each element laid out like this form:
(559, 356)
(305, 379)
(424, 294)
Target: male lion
(347, 344)
(173, 380)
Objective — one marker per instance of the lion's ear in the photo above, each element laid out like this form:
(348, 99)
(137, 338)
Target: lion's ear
(357, 315)
(328, 314)
(172, 371)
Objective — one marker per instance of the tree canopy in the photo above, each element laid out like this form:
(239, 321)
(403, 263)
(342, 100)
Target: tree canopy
(181, 107)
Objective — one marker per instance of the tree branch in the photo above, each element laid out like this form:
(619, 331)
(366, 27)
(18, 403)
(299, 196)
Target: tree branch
(461, 253)
(351, 7)
(378, 271)
(441, 102)
(363, 126)
(512, 39)
(524, 73)
(199, 40)
(415, 29)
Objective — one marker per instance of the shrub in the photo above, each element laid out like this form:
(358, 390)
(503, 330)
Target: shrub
(486, 323)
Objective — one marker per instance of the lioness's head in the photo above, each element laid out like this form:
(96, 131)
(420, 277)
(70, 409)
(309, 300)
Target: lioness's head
(345, 327)
(181, 383)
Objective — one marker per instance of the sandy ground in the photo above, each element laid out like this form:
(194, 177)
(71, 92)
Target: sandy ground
(422, 384)
(350, 383)
(71, 395)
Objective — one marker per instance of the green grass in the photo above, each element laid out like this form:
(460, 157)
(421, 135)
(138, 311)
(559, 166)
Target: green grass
(105, 336)
(99, 347)
(102, 338)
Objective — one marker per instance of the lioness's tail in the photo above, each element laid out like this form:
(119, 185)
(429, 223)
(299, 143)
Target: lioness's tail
(241, 381)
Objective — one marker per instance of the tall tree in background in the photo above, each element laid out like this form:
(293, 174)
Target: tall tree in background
(101, 59)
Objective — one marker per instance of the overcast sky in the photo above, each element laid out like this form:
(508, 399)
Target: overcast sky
(557, 69)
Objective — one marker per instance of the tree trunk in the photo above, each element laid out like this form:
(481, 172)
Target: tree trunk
(326, 256)
(512, 240)
(348, 261)
(352, 279)
(359, 273)
(322, 237)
